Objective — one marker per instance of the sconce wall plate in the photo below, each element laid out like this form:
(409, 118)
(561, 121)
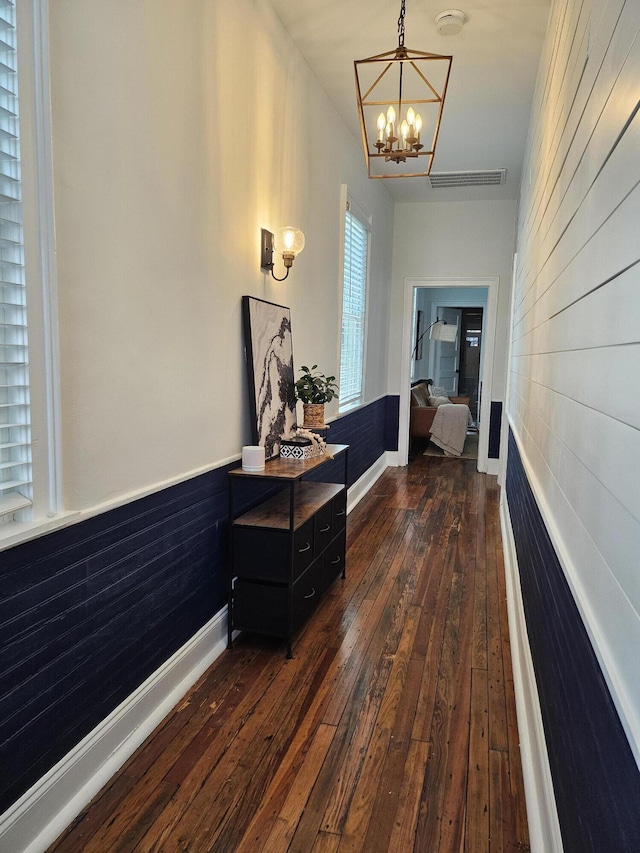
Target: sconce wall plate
(266, 250)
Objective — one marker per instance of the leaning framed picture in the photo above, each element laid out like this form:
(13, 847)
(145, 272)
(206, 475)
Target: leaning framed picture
(269, 356)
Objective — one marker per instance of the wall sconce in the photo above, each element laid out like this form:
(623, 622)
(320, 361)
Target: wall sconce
(287, 241)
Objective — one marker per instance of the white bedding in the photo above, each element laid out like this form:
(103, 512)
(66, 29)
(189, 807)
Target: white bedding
(449, 428)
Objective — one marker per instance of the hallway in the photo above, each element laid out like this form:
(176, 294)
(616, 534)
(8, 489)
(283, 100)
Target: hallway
(392, 729)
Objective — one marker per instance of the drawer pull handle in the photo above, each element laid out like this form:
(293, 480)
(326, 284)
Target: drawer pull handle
(307, 547)
(324, 529)
(336, 561)
(311, 594)
(341, 512)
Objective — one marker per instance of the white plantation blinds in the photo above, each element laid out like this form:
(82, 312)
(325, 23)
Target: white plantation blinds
(15, 450)
(354, 292)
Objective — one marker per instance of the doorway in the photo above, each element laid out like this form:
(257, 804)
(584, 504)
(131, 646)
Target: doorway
(456, 366)
(431, 296)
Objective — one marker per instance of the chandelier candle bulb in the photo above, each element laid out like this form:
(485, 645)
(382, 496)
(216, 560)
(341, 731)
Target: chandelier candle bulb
(391, 119)
(404, 131)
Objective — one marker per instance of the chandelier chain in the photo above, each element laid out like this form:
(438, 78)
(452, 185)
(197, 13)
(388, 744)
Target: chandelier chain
(401, 24)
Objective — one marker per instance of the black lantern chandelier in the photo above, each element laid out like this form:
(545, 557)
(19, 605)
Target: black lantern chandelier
(400, 99)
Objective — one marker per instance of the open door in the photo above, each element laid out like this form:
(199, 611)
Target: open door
(447, 354)
(471, 347)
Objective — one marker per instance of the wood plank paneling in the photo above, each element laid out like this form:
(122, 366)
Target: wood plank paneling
(573, 377)
(375, 737)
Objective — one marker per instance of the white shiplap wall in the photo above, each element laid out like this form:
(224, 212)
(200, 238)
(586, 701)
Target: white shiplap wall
(574, 399)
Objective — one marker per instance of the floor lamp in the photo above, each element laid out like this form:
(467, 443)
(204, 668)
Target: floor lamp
(438, 331)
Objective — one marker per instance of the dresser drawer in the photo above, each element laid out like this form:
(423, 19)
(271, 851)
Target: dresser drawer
(263, 554)
(339, 511)
(260, 607)
(323, 528)
(333, 560)
(307, 591)
(304, 547)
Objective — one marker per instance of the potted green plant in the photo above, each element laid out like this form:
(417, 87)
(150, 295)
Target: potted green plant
(315, 389)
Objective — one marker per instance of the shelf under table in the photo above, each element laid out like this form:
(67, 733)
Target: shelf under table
(274, 512)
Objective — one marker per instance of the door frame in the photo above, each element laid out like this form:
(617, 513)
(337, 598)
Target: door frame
(411, 284)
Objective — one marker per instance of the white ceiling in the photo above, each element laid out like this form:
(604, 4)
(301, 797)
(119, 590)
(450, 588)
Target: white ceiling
(495, 62)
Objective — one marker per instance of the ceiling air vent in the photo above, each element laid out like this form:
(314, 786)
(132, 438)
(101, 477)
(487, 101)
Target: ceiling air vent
(446, 180)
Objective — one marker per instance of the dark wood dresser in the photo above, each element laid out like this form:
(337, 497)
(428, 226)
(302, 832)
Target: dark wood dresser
(287, 550)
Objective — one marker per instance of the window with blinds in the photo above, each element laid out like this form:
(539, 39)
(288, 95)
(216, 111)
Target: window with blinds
(354, 301)
(15, 449)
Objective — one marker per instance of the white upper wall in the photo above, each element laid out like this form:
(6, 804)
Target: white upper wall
(179, 130)
(574, 377)
(452, 240)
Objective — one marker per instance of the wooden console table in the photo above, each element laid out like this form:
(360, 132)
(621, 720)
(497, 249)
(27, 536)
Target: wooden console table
(288, 550)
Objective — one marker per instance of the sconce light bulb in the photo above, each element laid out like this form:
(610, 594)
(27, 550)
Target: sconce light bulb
(418, 122)
(391, 115)
(288, 240)
(411, 115)
(404, 129)
(382, 122)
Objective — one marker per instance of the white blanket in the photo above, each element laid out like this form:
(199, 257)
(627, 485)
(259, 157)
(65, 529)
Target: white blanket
(449, 427)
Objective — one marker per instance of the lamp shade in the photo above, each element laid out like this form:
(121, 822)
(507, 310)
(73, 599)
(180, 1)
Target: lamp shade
(442, 331)
(288, 241)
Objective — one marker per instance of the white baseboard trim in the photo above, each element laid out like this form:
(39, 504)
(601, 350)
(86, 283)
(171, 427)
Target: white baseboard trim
(392, 458)
(493, 467)
(360, 488)
(34, 821)
(542, 814)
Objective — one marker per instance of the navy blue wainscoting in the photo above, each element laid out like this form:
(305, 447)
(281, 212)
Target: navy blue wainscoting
(89, 612)
(365, 432)
(596, 780)
(391, 422)
(495, 424)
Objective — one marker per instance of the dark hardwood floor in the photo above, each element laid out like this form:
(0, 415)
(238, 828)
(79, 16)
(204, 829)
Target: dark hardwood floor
(392, 729)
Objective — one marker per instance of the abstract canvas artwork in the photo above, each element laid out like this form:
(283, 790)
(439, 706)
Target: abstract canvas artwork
(269, 348)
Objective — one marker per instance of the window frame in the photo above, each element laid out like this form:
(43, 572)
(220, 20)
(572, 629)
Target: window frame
(350, 205)
(32, 19)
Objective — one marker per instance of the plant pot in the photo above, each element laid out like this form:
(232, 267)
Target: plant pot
(313, 415)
